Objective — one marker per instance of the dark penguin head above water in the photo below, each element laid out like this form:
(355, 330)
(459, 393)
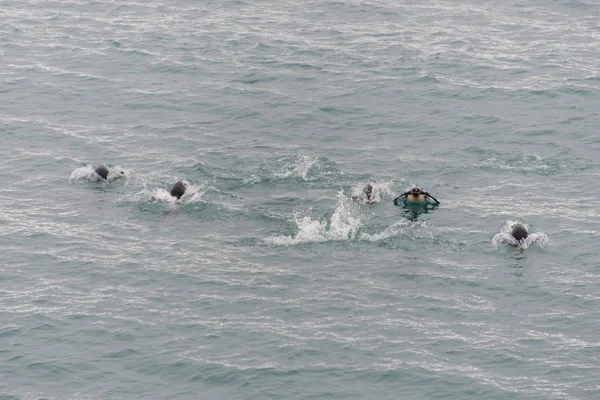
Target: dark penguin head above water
(178, 189)
(367, 194)
(102, 171)
(519, 232)
(368, 191)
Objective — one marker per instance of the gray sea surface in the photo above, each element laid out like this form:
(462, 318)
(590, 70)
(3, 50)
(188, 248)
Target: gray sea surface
(267, 280)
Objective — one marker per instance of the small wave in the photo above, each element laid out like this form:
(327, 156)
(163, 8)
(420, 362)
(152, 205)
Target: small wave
(520, 163)
(288, 169)
(391, 231)
(343, 225)
(504, 237)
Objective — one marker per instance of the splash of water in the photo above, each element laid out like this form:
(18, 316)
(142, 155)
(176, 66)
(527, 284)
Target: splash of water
(343, 225)
(115, 173)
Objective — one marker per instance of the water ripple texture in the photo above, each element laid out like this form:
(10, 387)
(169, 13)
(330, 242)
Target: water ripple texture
(286, 271)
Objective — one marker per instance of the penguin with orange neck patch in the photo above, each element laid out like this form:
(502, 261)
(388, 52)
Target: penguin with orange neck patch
(416, 196)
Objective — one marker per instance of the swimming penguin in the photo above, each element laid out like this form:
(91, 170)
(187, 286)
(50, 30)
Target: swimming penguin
(416, 195)
(178, 189)
(368, 191)
(102, 171)
(369, 196)
(519, 232)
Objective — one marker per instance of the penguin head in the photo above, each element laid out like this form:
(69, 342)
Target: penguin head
(368, 191)
(519, 232)
(416, 192)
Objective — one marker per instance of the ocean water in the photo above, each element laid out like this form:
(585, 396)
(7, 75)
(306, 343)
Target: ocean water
(267, 281)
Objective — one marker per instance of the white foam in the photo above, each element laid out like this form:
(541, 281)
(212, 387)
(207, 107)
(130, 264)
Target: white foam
(501, 237)
(165, 196)
(115, 173)
(193, 194)
(538, 237)
(86, 172)
(343, 225)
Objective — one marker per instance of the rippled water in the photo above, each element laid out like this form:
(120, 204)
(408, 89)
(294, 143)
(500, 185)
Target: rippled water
(267, 280)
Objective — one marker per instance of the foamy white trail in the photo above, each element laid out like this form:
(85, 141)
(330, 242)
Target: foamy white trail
(88, 173)
(504, 237)
(380, 189)
(344, 223)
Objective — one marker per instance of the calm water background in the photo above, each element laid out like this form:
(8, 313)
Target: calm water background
(267, 282)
